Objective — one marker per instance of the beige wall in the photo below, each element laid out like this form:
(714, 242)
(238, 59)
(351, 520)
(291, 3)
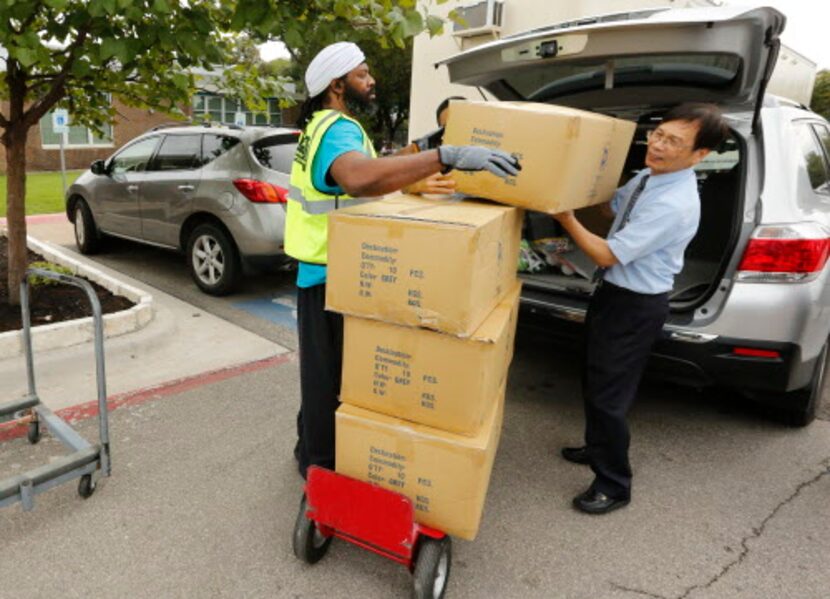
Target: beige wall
(431, 85)
(794, 76)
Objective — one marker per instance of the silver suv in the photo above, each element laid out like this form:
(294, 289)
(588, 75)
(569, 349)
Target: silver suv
(216, 193)
(751, 308)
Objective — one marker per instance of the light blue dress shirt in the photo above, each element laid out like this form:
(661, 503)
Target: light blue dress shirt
(664, 220)
(342, 137)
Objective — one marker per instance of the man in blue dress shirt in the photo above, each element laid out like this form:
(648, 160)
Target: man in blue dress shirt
(656, 216)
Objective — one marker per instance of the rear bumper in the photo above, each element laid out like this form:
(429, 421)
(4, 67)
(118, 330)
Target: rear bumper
(699, 363)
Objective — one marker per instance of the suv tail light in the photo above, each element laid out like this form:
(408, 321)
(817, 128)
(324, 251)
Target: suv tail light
(790, 253)
(261, 192)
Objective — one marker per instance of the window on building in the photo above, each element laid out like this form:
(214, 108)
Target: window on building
(77, 136)
(219, 109)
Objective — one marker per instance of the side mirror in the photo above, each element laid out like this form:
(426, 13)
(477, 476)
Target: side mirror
(99, 167)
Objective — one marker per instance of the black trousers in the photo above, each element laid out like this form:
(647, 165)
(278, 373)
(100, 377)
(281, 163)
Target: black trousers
(621, 328)
(321, 359)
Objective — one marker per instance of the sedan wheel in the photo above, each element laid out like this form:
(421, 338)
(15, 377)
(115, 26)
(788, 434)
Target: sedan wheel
(213, 259)
(87, 237)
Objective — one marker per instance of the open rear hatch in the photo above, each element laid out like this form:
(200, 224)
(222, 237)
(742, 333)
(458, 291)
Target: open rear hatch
(719, 54)
(634, 65)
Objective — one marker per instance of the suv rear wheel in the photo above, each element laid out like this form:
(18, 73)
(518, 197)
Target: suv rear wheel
(800, 407)
(213, 259)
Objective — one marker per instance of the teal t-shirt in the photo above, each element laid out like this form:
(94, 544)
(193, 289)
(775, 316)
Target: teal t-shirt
(342, 137)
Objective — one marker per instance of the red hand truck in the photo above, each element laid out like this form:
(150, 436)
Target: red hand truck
(376, 519)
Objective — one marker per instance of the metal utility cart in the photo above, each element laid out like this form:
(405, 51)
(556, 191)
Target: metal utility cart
(87, 461)
(376, 519)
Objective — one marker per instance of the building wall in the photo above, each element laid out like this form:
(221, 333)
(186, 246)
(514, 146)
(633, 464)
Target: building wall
(794, 76)
(131, 122)
(431, 85)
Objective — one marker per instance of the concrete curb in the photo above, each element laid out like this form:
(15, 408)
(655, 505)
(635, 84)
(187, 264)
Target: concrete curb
(81, 330)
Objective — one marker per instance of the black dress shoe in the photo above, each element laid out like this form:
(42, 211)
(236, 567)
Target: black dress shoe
(595, 502)
(577, 455)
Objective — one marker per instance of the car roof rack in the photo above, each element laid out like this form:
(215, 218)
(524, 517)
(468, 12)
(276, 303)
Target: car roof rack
(171, 124)
(190, 123)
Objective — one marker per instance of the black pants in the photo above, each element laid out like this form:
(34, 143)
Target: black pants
(621, 327)
(321, 358)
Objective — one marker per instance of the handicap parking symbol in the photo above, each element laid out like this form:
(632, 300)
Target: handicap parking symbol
(280, 309)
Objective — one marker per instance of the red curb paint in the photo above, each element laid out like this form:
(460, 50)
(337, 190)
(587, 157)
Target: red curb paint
(35, 219)
(90, 409)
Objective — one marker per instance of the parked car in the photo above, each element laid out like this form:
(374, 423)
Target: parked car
(216, 193)
(751, 308)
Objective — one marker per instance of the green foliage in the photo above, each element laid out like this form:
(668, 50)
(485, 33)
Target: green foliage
(40, 281)
(78, 53)
(820, 101)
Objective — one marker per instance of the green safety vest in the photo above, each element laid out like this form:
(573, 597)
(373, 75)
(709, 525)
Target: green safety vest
(306, 221)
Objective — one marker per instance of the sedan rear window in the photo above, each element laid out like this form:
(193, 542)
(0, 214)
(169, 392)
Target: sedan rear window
(813, 157)
(178, 152)
(276, 152)
(215, 145)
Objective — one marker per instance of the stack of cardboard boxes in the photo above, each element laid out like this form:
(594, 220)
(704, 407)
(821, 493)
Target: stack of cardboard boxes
(429, 292)
(430, 297)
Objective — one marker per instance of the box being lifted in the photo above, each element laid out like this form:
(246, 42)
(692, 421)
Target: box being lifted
(570, 158)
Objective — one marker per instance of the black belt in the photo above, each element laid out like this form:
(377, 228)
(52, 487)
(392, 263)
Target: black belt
(610, 287)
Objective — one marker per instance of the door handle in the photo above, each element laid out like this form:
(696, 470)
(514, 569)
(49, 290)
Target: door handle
(132, 188)
(186, 187)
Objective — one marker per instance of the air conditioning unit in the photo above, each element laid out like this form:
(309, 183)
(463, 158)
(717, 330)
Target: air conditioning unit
(481, 18)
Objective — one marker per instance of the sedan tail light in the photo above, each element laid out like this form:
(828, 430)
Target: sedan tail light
(261, 192)
(791, 253)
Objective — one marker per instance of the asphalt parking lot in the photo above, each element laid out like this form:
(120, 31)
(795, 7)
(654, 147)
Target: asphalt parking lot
(204, 491)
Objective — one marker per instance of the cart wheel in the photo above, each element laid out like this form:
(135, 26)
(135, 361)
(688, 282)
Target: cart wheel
(86, 487)
(310, 545)
(34, 432)
(432, 568)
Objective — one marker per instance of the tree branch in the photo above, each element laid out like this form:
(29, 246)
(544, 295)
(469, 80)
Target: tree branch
(42, 106)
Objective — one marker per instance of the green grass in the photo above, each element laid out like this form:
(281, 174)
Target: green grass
(44, 193)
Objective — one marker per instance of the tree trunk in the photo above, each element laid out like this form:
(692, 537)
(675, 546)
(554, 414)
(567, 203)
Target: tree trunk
(16, 209)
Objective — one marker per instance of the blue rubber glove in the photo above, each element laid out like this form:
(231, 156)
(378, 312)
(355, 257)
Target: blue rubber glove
(479, 158)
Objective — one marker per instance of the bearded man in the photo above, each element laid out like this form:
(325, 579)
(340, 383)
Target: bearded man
(336, 166)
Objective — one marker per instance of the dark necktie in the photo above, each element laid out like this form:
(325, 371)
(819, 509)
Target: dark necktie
(620, 224)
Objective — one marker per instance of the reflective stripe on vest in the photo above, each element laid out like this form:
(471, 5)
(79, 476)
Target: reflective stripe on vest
(306, 225)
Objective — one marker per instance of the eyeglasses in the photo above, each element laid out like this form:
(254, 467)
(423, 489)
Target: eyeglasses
(670, 141)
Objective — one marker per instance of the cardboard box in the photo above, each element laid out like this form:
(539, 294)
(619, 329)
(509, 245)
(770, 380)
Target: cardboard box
(434, 263)
(427, 377)
(570, 158)
(445, 475)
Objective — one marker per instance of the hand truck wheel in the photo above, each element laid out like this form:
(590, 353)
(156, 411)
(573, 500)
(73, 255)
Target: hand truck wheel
(310, 545)
(33, 432)
(86, 487)
(432, 568)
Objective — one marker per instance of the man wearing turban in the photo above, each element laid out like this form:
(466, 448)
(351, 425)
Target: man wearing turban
(335, 166)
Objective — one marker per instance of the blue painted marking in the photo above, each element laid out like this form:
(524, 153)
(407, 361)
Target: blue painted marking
(280, 309)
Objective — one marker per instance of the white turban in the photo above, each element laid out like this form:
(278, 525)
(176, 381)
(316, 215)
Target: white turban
(332, 62)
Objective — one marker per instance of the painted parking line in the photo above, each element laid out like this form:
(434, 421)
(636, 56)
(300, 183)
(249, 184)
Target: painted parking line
(280, 309)
(72, 414)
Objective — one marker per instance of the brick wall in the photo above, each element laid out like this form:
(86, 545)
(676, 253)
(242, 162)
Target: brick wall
(130, 123)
